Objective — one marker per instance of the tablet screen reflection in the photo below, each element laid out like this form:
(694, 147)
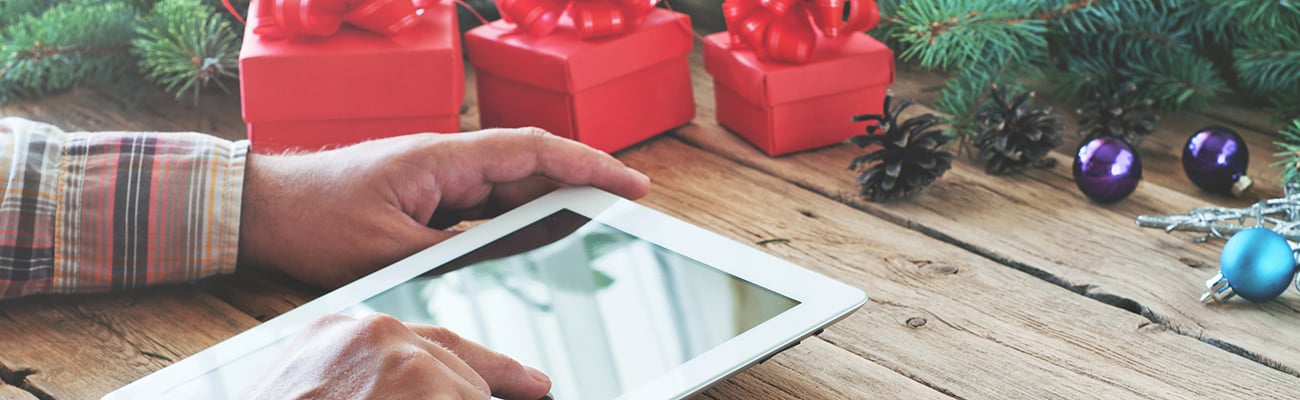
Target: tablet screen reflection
(600, 311)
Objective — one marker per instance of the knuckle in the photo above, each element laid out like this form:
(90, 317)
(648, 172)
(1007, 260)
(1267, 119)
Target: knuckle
(537, 138)
(408, 362)
(445, 337)
(381, 323)
(415, 360)
(535, 131)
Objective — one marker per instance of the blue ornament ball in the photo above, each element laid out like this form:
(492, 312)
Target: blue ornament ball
(1107, 169)
(1215, 158)
(1258, 264)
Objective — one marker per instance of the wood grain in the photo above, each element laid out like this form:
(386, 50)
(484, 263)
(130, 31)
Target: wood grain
(988, 330)
(982, 287)
(1039, 223)
(94, 109)
(260, 294)
(82, 347)
(816, 369)
(14, 393)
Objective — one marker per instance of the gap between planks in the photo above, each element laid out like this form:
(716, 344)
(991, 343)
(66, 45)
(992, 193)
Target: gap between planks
(1086, 290)
(940, 352)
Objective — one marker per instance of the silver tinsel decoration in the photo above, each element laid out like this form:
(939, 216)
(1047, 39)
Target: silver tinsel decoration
(1282, 215)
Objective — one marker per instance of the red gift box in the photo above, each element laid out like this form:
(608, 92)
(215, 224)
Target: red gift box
(353, 86)
(784, 108)
(608, 93)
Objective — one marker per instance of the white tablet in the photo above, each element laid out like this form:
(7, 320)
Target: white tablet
(616, 301)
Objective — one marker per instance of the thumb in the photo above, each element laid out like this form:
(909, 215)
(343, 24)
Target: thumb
(507, 378)
(417, 237)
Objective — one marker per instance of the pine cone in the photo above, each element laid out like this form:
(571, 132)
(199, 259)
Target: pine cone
(1111, 116)
(911, 156)
(1013, 136)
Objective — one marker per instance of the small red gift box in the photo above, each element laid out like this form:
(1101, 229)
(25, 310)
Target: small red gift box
(352, 86)
(783, 108)
(608, 93)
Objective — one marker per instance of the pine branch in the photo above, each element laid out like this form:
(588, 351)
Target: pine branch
(13, 10)
(1063, 10)
(1124, 31)
(1290, 155)
(1137, 42)
(184, 46)
(960, 33)
(38, 52)
(1178, 81)
(70, 44)
(1224, 22)
(1268, 64)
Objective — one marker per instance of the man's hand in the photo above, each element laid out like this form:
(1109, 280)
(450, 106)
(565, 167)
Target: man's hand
(329, 218)
(379, 357)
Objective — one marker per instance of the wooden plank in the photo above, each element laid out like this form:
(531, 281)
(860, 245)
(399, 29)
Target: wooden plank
(15, 393)
(816, 369)
(93, 115)
(260, 294)
(1040, 223)
(92, 109)
(958, 323)
(82, 347)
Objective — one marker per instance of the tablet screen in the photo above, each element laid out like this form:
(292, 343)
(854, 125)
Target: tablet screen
(602, 312)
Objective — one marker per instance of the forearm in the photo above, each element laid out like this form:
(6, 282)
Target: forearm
(88, 212)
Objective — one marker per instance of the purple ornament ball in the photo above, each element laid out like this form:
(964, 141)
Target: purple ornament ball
(1107, 169)
(1215, 158)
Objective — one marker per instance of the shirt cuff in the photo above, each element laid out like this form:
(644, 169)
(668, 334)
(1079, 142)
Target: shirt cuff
(140, 209)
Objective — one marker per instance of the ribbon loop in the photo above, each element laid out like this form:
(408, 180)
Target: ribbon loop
(782, 30)
(591, 18)
(280, 19)
(833, 19)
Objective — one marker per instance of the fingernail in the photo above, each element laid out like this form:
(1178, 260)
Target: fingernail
(538, 376)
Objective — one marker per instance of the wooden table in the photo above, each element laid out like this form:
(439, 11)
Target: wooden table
(981, 287)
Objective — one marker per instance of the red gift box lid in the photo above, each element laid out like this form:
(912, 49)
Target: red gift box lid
(355, 74)
(848, 63)
(562, 62)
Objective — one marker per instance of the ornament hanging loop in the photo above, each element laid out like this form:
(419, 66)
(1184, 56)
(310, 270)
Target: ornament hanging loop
(1219, 290)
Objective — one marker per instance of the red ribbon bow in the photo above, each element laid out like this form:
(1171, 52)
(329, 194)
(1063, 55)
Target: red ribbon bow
(592, 18)
(779, 30)
(293, 18)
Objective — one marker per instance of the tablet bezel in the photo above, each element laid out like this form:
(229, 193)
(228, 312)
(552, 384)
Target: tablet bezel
(822, 300)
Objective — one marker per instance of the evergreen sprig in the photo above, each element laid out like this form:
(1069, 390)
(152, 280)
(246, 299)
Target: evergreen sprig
(1269, 65)
(70, 44)
(51, 45)
(1180, 53)
(184, 46)
(13, 10)
(951, 33)
(1223, 22)
(1143, 42)
(1290, 154)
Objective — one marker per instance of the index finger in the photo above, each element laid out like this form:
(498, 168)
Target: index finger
(507, 378)
(508, 155)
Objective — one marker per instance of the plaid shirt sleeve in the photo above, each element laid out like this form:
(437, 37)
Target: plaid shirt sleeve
(93, 212)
